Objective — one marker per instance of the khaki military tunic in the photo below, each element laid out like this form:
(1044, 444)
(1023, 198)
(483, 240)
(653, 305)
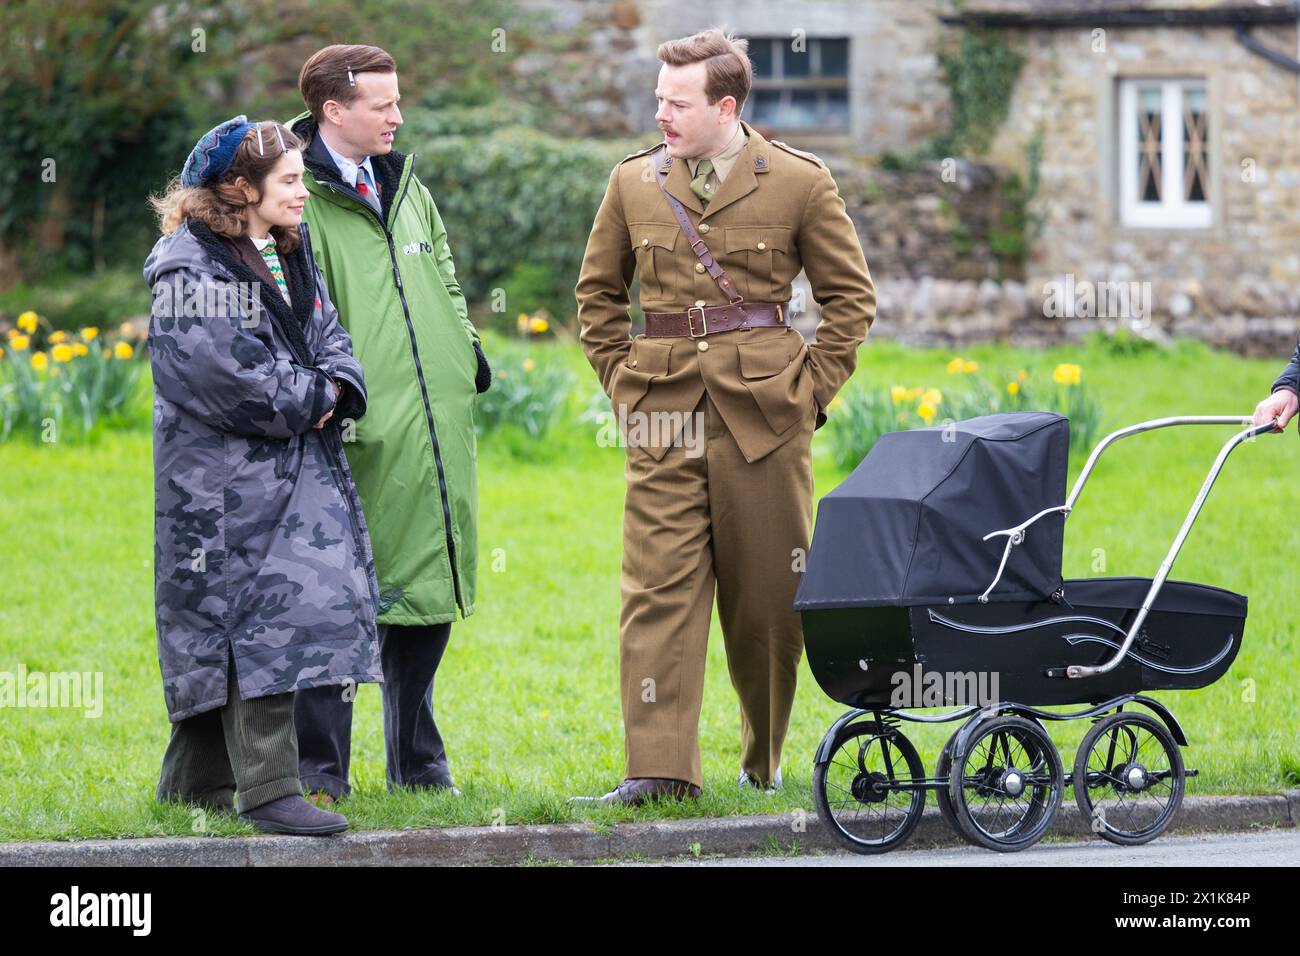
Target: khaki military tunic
(737, 517)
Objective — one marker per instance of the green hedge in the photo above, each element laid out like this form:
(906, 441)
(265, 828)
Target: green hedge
(517, 201)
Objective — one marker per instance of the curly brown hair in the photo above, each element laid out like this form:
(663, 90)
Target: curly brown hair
(221, 205)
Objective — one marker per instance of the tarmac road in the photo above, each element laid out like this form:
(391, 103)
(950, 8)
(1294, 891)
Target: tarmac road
(1257, 849)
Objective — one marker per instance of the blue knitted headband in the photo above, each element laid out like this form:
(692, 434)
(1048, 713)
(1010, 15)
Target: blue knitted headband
(215, 151)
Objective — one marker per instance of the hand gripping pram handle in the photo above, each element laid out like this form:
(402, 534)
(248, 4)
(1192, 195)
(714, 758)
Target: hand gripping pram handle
(1017, 534)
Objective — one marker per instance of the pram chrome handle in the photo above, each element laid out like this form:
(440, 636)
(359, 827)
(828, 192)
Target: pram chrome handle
(1079, 670)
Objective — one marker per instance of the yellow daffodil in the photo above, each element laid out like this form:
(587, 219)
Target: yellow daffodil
(12, 333)
(522, 323)
(898, 394)
(40, 361)
(1066, 374)
(968, 367)
(123, 350)
(2, 353)
(79, 348)
(19, 343)
(89, 333)
(913, 394)
(61, 352)
(1013, 388)
(529, 365)
(57, 337)
(27, 322)
(926, 411)
(537, 325)
(127, 330)
(932, 396)
(956, 364)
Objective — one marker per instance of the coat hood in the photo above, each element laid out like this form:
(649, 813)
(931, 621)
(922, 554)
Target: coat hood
(177, 250)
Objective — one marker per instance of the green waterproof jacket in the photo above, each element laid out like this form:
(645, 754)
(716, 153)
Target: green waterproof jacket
(413, 455)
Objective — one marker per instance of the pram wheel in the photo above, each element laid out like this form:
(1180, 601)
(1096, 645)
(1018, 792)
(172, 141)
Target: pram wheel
(869, 791)
(1006, 785)
(942, 767)
(1128, 778)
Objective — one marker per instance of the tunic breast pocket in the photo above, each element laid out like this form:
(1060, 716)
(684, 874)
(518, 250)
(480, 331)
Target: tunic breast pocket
(759, 252)
(653, 243)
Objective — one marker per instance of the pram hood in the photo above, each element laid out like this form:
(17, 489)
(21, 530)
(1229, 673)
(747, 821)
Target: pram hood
(906, 527)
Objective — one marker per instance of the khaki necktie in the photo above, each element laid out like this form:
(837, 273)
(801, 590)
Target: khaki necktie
(699, 185)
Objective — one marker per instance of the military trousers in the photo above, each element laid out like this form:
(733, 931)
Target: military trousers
(692, 524)
(244, 753)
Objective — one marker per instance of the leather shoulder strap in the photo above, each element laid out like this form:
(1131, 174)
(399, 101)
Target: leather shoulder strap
(693, 236)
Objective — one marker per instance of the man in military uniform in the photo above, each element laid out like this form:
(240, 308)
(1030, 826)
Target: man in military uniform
(719, 222)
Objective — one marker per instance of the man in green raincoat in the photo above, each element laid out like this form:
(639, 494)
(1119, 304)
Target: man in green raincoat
(382, 248)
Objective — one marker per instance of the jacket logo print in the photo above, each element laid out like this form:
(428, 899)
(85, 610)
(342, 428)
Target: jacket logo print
(415, 248)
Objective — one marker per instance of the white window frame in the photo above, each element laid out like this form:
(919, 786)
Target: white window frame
(1172, 211)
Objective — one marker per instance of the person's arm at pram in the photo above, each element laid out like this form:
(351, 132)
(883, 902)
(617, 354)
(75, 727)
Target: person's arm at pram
(1284, 401)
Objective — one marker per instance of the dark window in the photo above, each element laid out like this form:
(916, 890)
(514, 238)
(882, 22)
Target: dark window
(800, 83)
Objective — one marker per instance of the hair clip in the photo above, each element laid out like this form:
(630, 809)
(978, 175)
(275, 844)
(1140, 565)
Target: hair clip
(280, 137)
(352, 80)
(260, 150)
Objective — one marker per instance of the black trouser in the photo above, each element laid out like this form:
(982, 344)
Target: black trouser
(415, 753)
(243, 754)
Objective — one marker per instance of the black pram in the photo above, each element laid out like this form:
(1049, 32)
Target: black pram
(927, 586)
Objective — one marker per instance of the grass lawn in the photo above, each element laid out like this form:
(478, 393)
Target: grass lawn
(527, 695)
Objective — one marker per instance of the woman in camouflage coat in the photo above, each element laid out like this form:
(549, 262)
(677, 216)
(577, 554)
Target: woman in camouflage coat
(265, 582)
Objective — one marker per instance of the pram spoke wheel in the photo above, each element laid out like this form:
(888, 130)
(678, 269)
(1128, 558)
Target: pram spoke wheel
(870, 791)
(942, 767)
(1006, 784)
(1128, 778)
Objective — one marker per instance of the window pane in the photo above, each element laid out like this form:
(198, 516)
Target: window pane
(804, 109)
(1195, 146)
(1148, 143)
(760, 54)
(795, 63)
(835, 57)
(763, 107)
(836, 112)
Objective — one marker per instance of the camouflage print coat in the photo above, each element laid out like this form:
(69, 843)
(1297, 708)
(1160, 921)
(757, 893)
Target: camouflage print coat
(260, 545)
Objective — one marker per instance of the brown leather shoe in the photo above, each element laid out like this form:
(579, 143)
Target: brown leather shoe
(634, 791)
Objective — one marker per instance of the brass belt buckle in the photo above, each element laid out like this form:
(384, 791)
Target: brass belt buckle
(690, 326)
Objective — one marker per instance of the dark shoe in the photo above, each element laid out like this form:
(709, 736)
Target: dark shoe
(748, 781)
(293, 814)
(635, 791)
